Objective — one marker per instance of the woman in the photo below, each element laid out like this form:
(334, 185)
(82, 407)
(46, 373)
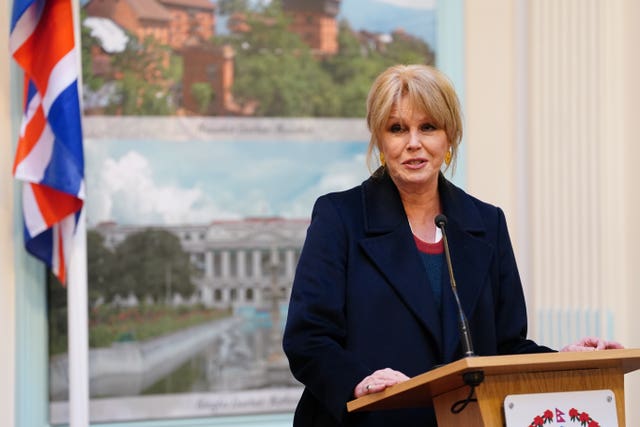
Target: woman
(371, 303)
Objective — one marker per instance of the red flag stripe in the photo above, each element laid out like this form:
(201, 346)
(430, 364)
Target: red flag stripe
(56, 14)
(59, 262)
(54, 205)
(31, 134)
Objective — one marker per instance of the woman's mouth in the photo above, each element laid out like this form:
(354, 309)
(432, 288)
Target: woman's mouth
(414, 163)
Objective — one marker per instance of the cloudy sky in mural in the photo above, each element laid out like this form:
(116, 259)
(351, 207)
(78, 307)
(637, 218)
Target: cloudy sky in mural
(164, 182)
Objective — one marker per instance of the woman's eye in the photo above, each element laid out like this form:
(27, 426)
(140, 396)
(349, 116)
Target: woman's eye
(395, 128)
(428, 127)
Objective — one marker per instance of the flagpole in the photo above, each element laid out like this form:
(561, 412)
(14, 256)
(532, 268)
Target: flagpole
(77, 291)
(77, 308)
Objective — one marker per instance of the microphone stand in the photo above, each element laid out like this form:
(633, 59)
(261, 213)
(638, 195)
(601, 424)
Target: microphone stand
(473, 378)
(463, 323)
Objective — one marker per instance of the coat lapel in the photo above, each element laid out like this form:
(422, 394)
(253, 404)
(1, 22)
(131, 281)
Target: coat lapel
(390, 246)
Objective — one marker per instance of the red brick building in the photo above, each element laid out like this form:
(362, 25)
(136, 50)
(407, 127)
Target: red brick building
(170, 22)
(213, 65)
(190, 19)
(315, 22)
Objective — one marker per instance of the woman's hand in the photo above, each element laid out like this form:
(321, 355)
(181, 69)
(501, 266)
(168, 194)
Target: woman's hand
(378, 381)
(592, 344)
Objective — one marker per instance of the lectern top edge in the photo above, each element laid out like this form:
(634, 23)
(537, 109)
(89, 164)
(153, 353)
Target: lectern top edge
(448, 377)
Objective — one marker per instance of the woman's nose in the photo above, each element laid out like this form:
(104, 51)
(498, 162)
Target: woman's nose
(414, 139)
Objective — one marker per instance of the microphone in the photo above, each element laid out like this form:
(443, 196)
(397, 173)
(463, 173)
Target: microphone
(470, 378)
(463, 324)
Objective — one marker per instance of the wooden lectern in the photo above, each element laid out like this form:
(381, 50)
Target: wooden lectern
(505, 375)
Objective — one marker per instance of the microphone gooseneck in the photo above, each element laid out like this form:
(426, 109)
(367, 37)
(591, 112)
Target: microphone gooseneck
(470, 378)
(465, 334)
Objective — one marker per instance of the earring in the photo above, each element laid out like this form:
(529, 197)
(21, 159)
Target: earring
(382, 161)
(447, 157)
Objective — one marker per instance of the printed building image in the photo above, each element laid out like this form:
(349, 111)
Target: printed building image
(315, 22)
(187, 27)
(248, 262)
(170, 22)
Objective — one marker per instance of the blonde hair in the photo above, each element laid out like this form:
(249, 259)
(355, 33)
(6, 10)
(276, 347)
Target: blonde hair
(426, 89)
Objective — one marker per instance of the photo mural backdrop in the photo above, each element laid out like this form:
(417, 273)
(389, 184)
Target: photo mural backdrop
(210, 129)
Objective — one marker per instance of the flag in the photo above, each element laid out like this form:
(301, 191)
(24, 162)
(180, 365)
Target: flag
(49, 156)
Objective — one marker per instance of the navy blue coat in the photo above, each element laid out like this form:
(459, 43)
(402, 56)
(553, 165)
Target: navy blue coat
(361, 300)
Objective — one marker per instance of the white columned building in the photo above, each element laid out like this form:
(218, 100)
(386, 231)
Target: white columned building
(239, 263)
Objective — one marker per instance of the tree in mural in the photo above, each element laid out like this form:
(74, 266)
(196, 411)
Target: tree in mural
(227, 7)
(88, 42)
(152, 263)
(149, 263)
(144, 86)
(102, 281)
(275, 68)
(352, 69)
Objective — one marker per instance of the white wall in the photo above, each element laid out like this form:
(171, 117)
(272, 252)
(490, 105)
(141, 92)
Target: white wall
(629, 159)
(552, 106)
